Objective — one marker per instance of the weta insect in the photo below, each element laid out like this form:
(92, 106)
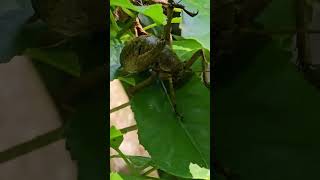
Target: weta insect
(148, 52)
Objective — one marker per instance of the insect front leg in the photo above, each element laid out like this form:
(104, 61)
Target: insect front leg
(167, 28)
(173, 98)
(192, 60)
(132, 90)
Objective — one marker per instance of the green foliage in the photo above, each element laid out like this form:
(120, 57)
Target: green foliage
(115, 176)
(153, 11)
(272, 127)
(275, 15)
(86, 138)
(59, 58)
(199, 172)
(116, 137)
(172, 144)
(115, 50)
(165, 137)
(197, 27)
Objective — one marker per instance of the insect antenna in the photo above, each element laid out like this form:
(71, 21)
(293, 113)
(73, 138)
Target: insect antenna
(167, 94)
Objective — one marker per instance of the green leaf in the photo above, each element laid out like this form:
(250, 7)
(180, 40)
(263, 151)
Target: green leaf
(197, 27)
(86, 133)
(276, 16)
(116, 137)
(164, 136)
(115, 176)
(199, 172)
(128, 80)
(185, 48)
(155, 11)
(132, 177)
(267, 120)
(141, 162)
(115, 50)
(60, 58)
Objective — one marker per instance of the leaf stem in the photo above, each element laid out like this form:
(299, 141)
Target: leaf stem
(150, 26)
(126, 160)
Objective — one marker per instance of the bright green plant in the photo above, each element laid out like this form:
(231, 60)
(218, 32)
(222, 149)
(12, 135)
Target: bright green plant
(175, 147)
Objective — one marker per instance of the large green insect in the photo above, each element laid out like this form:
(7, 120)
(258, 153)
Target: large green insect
(149, 53)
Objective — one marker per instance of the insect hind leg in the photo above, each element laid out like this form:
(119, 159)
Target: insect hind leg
(192, 60)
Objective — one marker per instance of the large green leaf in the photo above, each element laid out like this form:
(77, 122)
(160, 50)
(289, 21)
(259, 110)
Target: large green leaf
(86, 137)
(62, 59)
(152, 11)
(278, 14)
(197, 27)
(267, 120)
(173, 144)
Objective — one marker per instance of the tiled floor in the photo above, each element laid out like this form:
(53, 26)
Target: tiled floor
(27, 111)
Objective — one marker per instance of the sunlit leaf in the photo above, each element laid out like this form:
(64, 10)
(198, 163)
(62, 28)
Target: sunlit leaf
(164, 136)
(153, 11)
(116, 137)
(115, 176)
(199, 172)
(197, 27)
(128, 80)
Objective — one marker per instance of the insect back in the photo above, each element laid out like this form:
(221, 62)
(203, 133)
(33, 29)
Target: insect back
(140, 53)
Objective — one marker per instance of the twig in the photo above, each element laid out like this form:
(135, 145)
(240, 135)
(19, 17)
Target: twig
(29, 146)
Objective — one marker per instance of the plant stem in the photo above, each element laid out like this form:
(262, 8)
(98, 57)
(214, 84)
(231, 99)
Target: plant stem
(128, 12)
(150, 26)
(126, 160)
(126, 27)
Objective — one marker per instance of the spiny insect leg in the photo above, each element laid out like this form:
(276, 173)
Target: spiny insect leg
(167, 28)
(192, 60)
(173, 98)
(142, 84)
(178, 5)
